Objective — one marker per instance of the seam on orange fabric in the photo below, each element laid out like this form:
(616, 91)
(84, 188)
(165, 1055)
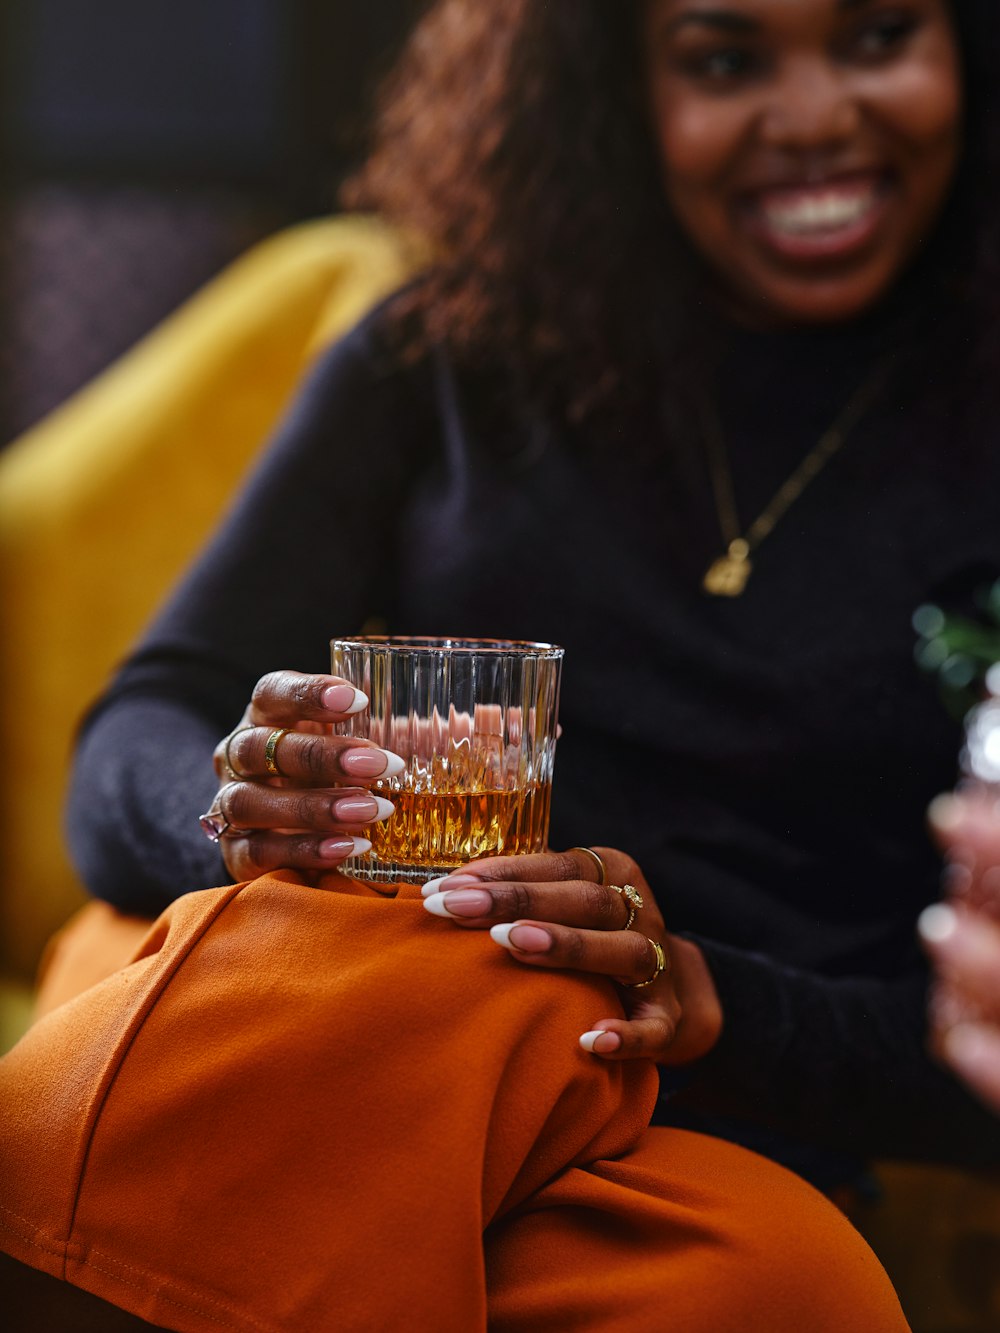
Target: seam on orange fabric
(31, 1236)
(162, 1295)
(169, 970)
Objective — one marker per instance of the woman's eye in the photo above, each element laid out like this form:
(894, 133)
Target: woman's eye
(884, 36)
(722, 66)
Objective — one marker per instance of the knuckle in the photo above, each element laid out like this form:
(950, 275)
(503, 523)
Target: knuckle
(311, 754)
(266, 688)
(602, 903)
(515, 898)
(573, 949)
(255, 853)
(308, 812)
(567, 866)
(633, 1038)
(236, 800)
(301, 691)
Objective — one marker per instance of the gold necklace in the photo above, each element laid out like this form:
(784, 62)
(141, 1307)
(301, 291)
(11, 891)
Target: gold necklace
(727, 576)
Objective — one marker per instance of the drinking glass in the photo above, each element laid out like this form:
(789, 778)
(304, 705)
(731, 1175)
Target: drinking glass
(475, 722)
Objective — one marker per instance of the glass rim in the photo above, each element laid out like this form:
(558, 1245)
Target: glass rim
(429, 645)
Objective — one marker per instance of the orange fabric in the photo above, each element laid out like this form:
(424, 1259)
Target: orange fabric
(304, 1110)
(95, 942)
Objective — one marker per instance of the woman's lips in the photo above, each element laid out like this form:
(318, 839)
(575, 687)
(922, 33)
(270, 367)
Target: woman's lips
(825, 220)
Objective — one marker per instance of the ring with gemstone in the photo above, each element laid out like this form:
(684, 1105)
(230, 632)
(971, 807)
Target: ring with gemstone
(632, 896)
(215, 825)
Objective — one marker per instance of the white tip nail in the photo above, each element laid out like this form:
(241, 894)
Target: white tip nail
(937, 923)
(502, 934)
(435, 904)
(588, 1039)
(394, 765)
(361, 845)
(385, 808)
(455, 879)
(360, 703)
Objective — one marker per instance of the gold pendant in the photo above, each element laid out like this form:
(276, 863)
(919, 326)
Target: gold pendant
(727, 576)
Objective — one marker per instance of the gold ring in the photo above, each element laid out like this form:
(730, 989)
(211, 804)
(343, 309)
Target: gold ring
(271, 751)
(234, 772)
(632, 896)
(661, 962)
(602, 869)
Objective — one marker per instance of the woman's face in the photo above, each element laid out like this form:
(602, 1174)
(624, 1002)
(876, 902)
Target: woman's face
(808, 145)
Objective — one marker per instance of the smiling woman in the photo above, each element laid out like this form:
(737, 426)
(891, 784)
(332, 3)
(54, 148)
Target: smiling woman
(808, 147)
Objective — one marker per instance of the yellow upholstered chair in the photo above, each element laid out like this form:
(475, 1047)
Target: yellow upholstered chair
(103, 504)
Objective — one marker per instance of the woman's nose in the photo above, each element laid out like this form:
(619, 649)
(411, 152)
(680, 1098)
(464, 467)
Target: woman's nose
(812, 106)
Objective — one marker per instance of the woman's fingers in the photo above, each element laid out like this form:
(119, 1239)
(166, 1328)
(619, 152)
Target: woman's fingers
(547, 867)
(624, 955)
(477, 903)
(310, 758)
(284, 698)
(646, 1034)
(252, 854)
(965, 949)
(258, 805)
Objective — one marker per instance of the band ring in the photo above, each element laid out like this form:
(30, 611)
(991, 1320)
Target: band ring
(602, 869)
(271, 751)
(631, 895)
(234, 774)
(661, 963)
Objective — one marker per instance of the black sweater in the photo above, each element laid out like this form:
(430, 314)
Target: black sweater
(767, 760)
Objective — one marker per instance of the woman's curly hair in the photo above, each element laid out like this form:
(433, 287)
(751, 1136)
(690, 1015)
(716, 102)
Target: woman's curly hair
(515, 138)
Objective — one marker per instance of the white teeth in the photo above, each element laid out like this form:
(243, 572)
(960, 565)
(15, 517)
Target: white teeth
(818, 213)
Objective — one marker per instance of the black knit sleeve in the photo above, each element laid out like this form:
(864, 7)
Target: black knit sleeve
(304, 555)
(841, 1062)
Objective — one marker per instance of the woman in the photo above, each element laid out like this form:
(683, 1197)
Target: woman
(711, 283)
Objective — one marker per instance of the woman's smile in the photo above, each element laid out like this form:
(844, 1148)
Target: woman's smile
(808, 146)
(817, 221)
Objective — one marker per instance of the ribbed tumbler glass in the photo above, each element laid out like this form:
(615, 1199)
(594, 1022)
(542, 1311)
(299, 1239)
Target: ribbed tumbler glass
(475, 720)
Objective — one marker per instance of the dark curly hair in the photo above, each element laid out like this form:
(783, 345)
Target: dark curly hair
(514, 137)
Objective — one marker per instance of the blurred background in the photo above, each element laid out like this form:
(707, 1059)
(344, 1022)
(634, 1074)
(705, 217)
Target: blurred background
(143, 146)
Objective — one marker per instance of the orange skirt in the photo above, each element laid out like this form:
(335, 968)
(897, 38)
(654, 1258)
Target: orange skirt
(300, 1110)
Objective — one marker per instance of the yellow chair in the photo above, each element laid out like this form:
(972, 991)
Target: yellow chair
(104, 503)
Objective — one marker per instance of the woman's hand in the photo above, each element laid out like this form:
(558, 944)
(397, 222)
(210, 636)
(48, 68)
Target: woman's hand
(962, 937)
(298, 797)
(549, 910)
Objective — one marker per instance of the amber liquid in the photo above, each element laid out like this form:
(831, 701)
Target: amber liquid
(449, 828)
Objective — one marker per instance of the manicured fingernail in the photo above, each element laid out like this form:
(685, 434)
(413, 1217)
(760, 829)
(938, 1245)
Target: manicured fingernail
(456, 881)
(945, 813)
(344, 699)
(335, 849)
(611, 1042)
(525, 939)
(372, 763)
(362, 809)
(937, 924)
(460, 903)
